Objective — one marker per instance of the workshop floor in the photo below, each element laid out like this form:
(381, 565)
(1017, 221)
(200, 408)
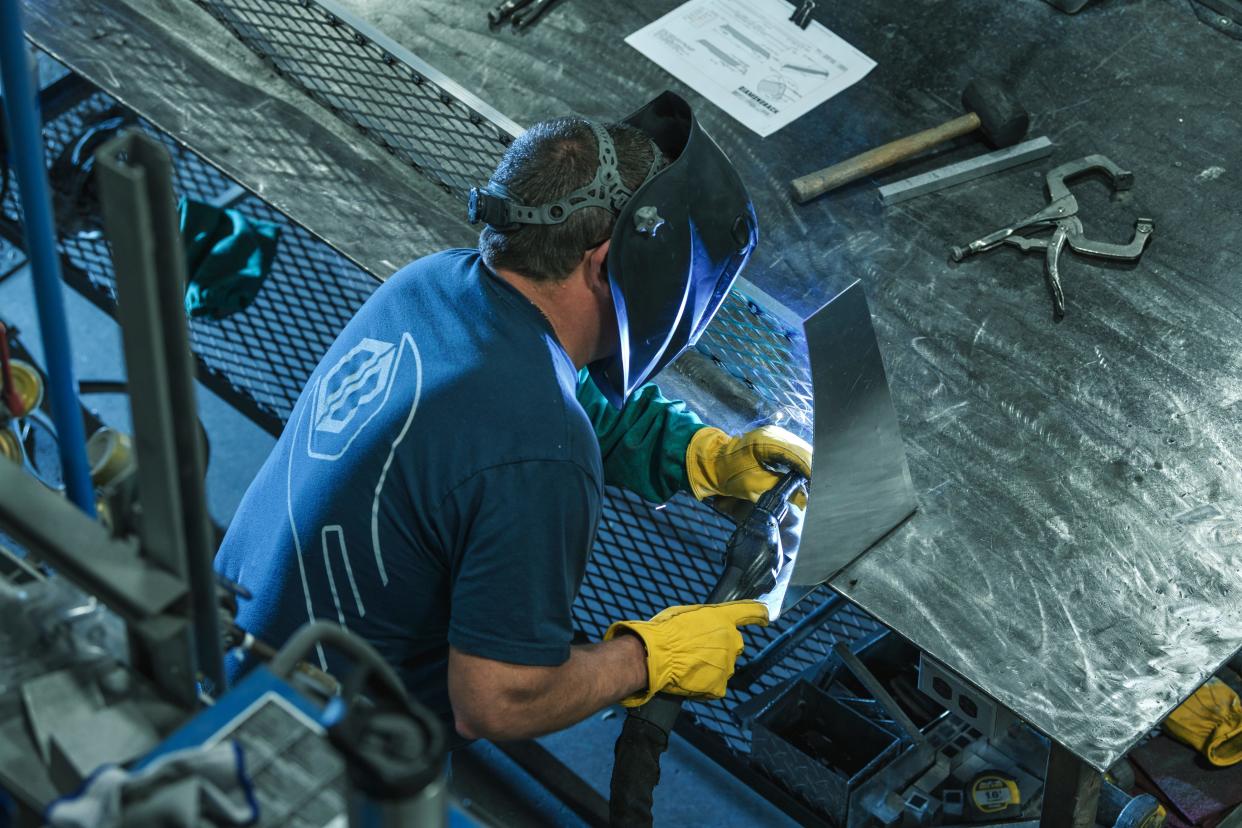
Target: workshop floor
(693, 789)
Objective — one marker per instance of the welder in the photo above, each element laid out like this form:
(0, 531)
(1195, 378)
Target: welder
(439, 482)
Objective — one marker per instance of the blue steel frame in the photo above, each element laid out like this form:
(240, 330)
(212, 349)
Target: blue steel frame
(30, 169)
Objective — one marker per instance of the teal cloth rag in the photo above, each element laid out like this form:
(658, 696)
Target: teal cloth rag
(643, 445)
(227, 257)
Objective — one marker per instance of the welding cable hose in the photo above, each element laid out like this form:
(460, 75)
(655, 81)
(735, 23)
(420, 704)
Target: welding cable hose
(368, 662)
(643, 740)
(644, 735)
(636, 765)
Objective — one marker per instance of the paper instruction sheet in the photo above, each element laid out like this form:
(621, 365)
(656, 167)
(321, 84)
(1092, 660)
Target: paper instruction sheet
(748, 58)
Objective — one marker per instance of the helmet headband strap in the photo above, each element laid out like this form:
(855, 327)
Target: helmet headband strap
(495, 206)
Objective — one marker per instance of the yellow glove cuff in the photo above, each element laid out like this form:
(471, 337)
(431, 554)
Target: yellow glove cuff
(1210, 721)
(691, 650)
(702, 455)
(654, 680)
(741, 467)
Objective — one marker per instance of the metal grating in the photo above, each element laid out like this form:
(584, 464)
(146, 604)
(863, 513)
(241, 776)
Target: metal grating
(768, 356)
(407, 109)
(257, 359)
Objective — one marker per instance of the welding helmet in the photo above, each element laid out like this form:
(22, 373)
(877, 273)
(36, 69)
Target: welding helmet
(679, 241)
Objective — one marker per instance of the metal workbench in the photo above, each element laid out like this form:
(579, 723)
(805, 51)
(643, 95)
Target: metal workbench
(1076, 553)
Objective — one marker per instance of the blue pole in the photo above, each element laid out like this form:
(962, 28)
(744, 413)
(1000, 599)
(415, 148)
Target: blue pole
(28, 163)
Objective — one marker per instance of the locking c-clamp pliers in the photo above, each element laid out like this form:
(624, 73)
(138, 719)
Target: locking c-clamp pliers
(1061, 214)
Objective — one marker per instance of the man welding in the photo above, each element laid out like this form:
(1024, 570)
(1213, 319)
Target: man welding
(438, 485)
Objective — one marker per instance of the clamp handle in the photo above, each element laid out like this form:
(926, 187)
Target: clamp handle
(505, 10)
(1059, 210)
(1052, 270)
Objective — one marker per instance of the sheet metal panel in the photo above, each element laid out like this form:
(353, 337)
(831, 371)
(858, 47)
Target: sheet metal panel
(861, 487)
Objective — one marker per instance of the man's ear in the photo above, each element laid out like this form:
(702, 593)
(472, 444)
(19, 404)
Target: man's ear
(597, 269)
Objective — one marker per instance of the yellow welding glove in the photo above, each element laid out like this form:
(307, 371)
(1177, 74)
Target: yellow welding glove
(691, 650)
(1210, 721)
(742, 467)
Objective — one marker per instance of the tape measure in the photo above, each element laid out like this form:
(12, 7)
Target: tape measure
(991, 793)
(1142, 812)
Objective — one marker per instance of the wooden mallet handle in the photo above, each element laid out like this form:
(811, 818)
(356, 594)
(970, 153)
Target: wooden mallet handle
(829, 178)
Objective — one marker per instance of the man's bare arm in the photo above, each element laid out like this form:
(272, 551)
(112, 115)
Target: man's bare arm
(499, 701)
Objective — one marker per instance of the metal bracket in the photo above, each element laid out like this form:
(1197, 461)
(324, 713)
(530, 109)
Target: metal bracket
(135, 184)
(963, 699)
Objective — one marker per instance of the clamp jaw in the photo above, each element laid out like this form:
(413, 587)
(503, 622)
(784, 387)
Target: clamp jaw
(1061, 216)
(521, 13)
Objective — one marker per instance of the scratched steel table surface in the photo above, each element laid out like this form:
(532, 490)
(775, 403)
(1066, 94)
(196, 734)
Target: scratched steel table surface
(1076, 553)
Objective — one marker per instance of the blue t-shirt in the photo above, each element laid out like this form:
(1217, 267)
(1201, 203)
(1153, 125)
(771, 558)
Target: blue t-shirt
(437, 483)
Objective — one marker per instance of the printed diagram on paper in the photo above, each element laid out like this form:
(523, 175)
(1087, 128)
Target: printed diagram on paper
(749, 59)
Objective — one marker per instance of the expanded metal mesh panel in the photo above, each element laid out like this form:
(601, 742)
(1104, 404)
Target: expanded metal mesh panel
(395, 104)
(647, 558)
(260, 357)
(767, 355)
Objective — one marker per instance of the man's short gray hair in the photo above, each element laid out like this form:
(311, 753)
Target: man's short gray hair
(548, 161)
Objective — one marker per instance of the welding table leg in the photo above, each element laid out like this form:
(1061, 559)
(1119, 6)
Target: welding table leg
(1071, 791)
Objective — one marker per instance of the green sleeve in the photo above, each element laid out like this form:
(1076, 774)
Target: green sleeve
(644, 444)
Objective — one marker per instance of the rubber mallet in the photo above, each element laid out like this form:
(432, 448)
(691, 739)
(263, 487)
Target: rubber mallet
(989, 109)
